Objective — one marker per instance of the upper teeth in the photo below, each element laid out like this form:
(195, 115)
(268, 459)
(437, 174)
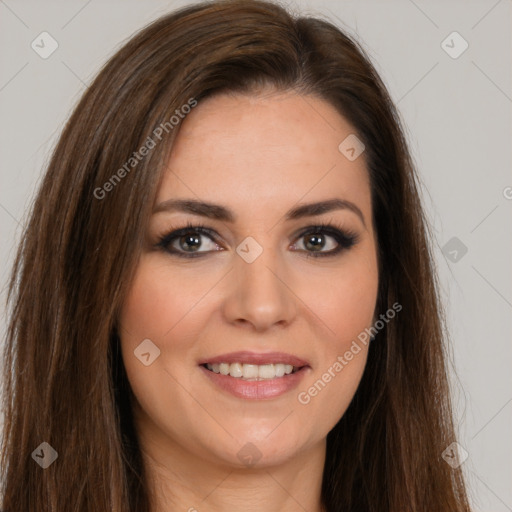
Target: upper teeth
(252, 371)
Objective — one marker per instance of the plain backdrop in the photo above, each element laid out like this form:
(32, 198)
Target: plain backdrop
(457, 114)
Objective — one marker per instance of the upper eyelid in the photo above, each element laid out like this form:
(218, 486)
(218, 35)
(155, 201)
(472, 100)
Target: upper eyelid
(212, 234)
(299, 232)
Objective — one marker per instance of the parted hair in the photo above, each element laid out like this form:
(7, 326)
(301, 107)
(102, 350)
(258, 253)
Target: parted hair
(64, 382)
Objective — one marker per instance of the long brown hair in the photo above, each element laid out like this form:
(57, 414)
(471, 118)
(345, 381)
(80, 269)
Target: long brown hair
(64, 380)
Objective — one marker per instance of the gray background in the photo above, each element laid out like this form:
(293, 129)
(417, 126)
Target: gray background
(457, 114)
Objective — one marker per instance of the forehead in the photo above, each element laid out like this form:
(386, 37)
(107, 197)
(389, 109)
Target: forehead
(276, 147)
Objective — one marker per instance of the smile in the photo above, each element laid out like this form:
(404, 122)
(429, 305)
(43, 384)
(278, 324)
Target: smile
(251, 372)
(254, 375)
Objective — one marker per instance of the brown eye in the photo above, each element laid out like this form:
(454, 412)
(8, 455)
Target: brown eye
(187, 241)
(317, 241)
(322, 240)
(333, 240)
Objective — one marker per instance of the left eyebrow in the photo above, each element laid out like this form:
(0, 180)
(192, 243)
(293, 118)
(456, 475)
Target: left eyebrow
(219, 212)
(312, 209)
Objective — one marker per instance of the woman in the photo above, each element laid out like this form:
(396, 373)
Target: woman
(225, 295)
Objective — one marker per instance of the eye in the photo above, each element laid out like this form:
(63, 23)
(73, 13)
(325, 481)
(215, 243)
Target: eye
(187, 241)
(325, 236)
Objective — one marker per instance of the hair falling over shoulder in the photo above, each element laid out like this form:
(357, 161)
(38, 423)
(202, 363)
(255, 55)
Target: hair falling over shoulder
(64, 381)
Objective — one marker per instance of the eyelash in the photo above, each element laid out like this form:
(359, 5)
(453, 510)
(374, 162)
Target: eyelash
(344, 238)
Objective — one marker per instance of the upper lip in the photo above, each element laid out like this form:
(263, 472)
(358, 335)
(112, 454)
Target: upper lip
(247, 357)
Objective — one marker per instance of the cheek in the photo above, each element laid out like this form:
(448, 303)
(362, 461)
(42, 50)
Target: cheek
(159, 300)
(345, 300)
(347, 309)
(162, 305)
(158, 307)
(166, 304)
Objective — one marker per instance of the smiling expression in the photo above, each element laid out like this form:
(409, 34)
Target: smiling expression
(250, 274)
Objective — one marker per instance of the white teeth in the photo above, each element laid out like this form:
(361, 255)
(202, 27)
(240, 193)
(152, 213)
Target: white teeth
(267, 371)
(249, 371)
(252, 371)
(279, 369)
(236, 370)
(224, 368)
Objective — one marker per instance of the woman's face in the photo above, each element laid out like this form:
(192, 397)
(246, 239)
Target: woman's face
(252, 284)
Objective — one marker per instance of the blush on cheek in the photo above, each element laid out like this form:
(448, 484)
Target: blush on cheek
(347, 313)
(155, 303)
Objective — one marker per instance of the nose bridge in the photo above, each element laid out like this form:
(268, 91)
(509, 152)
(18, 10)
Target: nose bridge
(256, 265)
(260, 295)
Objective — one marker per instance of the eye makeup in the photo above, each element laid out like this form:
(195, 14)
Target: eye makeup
(344, 238)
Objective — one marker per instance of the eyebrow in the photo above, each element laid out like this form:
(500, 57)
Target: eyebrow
(219, 212)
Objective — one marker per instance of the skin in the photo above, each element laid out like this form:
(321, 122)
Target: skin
(259, 155)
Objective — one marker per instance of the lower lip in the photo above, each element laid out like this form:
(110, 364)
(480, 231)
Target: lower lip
(256, 389)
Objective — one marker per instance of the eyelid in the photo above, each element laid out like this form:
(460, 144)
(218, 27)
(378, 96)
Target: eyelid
(345, 238)
(174, 233)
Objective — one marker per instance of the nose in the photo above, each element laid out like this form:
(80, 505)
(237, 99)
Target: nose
(259, 294)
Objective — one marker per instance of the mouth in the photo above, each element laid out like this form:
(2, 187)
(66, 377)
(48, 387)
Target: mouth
(252, 372)
(252, 375)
